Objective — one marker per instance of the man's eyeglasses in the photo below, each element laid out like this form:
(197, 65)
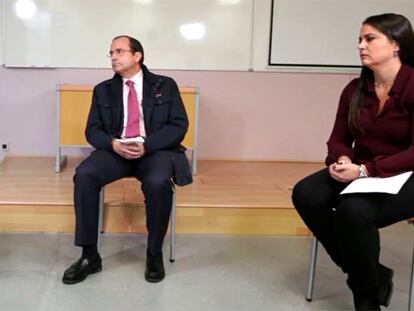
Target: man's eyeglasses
(119, 52)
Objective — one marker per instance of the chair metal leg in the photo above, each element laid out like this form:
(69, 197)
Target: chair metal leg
(100, 221)
(172, 224)
(194, 162)
(411, 293)
(172, 230)
(312, 267)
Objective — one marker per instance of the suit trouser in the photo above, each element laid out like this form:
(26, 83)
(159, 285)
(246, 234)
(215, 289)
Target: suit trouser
(102, 167)
(347, 225)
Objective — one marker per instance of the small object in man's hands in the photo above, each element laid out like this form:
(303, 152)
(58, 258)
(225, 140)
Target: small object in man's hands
(132, 140)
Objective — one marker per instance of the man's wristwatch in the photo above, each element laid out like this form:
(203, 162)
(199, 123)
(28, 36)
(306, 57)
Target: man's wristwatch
(362, 171)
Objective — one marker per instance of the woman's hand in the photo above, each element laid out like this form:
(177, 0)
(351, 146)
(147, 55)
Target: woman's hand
(343, 159)
(344, 171)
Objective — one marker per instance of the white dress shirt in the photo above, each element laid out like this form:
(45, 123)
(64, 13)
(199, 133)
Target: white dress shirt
(138, 80)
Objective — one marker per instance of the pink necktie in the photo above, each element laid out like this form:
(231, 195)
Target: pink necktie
(132, 126)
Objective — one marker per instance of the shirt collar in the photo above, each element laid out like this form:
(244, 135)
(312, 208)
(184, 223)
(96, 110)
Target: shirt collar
(402, 78)
(137, 79)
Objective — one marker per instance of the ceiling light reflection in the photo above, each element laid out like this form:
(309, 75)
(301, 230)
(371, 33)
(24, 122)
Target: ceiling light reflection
(25, 9)
(194, 31)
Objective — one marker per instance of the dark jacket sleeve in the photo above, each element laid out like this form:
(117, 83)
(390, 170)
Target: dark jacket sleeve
(169, 122)
(99, 132)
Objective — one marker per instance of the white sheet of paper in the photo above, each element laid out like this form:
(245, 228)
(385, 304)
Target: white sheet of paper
(390, 185)
(133, 140)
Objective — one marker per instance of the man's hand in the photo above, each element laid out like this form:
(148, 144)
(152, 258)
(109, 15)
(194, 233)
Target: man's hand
(128, 151)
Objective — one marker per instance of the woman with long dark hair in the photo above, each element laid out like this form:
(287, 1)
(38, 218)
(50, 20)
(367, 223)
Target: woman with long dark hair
(373, 135)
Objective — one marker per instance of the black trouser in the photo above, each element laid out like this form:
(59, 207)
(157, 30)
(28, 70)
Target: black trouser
(102, 167)
(347, 225)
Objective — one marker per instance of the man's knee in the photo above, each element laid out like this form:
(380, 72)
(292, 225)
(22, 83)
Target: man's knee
(154, 183)
(85, 173)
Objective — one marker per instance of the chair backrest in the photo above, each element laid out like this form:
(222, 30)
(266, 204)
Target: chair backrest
(190, 97)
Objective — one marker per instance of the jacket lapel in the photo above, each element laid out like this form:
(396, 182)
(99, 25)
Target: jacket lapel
(117, 103)
(150, 86)
(147, 103)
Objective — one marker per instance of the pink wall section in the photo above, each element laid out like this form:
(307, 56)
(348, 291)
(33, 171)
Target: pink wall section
(243, 115)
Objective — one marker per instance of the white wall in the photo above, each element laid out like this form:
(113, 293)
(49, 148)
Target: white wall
(243, 115)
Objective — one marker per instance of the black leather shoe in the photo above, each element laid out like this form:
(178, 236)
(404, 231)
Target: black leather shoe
(155, 268)
(81, 269)
(385, 275)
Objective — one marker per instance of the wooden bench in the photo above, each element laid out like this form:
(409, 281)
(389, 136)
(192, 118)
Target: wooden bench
(74, 102)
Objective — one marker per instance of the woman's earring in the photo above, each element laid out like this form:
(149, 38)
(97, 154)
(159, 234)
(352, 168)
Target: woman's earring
(396, 53)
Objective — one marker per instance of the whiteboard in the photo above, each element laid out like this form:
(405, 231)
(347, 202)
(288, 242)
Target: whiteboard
(78, 33)
(324, 33)
(1, 31)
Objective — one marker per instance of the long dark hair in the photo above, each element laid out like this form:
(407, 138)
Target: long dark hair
(396, 28)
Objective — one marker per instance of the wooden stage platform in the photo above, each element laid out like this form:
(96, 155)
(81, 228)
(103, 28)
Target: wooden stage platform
(226, 197)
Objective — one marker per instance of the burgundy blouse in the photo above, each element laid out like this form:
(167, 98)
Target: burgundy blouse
(387, 145)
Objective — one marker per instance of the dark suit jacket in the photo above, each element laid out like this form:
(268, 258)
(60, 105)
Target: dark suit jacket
(165, 118)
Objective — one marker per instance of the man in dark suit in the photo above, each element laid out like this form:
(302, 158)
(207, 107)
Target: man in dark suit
(134, 103)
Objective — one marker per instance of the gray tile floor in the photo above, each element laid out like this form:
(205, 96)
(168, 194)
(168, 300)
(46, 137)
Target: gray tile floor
(217, 273)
